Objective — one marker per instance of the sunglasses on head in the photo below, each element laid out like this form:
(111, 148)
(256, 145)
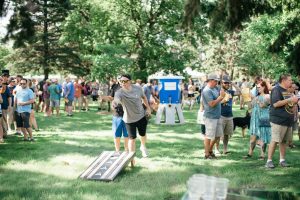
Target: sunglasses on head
(124, 81)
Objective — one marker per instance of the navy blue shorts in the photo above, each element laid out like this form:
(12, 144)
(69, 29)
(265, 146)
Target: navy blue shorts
(118, 127)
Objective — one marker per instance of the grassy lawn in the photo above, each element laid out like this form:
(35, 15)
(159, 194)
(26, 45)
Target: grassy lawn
(65, 147)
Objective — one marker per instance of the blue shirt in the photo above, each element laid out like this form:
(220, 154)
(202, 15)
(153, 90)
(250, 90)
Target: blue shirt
(24, 95)
(69, 91)
(147, 90)
(226, 107)
(208, 95)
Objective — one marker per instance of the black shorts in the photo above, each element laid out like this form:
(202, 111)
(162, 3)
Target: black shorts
(41, 99)
(22, 120)
(141, 125)
(191, 95)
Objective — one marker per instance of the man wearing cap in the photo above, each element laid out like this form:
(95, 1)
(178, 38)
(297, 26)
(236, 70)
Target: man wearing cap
(130, 97)
(226, 111)
(212, 98)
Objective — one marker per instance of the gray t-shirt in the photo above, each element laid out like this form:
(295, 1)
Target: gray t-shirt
(208, 95)
(131, 102)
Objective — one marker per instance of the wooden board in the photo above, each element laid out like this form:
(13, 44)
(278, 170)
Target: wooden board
(107, 166)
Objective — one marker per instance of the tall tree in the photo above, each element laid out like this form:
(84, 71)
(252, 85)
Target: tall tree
(36, 28)
(133, 35)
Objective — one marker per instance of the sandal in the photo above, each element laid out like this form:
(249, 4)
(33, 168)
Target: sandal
(212, 155)
(292, 146)
(261, 158)
(247, 156)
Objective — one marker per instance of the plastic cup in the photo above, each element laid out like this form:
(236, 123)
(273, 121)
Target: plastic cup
(196, 186)
(209, 193)
(221, 188)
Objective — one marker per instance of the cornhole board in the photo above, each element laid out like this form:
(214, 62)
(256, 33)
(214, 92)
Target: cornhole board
(107, 166)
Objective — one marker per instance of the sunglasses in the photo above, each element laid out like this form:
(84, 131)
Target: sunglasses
(23, 83)
(226, 83)
(124, 81)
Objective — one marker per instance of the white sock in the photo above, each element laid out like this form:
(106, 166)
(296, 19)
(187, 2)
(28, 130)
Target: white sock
(281, 160)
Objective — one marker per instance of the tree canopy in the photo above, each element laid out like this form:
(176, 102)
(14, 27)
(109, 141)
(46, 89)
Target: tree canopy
(103, 38)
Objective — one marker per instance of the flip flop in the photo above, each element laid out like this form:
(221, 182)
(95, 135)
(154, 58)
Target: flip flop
(247, 156)
(261, 158)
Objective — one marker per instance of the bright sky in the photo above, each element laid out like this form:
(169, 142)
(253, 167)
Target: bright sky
(3, 22)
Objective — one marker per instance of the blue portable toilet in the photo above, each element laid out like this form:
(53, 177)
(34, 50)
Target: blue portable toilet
(169, 89)
(170, 101)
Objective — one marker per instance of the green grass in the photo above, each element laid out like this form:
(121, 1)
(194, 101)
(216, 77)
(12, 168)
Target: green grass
(49, 168)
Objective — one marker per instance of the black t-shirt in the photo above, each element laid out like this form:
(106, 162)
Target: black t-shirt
(41, 84)
(281, 115)
(118, 109)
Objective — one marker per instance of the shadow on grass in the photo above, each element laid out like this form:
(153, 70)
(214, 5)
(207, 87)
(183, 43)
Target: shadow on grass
(132, 184)
(45, 148)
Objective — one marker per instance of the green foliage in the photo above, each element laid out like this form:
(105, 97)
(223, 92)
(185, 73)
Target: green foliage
(224, 15)
(221, 54)
(35, 29)
(288, 39)
(4, 52)
(256, 38)
(134, 34)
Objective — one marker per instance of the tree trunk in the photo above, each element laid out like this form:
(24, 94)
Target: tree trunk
(45, 41)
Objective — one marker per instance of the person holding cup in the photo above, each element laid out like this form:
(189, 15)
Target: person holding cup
(212, 98)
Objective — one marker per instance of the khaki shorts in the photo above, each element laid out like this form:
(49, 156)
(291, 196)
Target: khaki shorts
(213, 128)
(227, 125)
(295, 127)
(281, 134)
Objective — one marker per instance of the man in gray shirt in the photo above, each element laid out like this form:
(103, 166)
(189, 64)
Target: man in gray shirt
(212, 114)
(132, 99)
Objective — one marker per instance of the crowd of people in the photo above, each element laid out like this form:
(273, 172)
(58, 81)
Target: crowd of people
(274, 115)
(20, 98)
(273, 108)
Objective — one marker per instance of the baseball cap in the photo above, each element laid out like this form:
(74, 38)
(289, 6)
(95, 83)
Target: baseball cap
(226, 78)
(213, 76)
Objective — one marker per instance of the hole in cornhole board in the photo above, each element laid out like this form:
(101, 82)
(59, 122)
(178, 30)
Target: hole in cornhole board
(107, 166)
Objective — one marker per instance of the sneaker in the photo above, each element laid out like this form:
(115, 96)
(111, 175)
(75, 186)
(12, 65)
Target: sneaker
(283, 164)
(31, 139)
(1, 140)
(144, 152)
(270, 165)
(26, 139)
(208, 157)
